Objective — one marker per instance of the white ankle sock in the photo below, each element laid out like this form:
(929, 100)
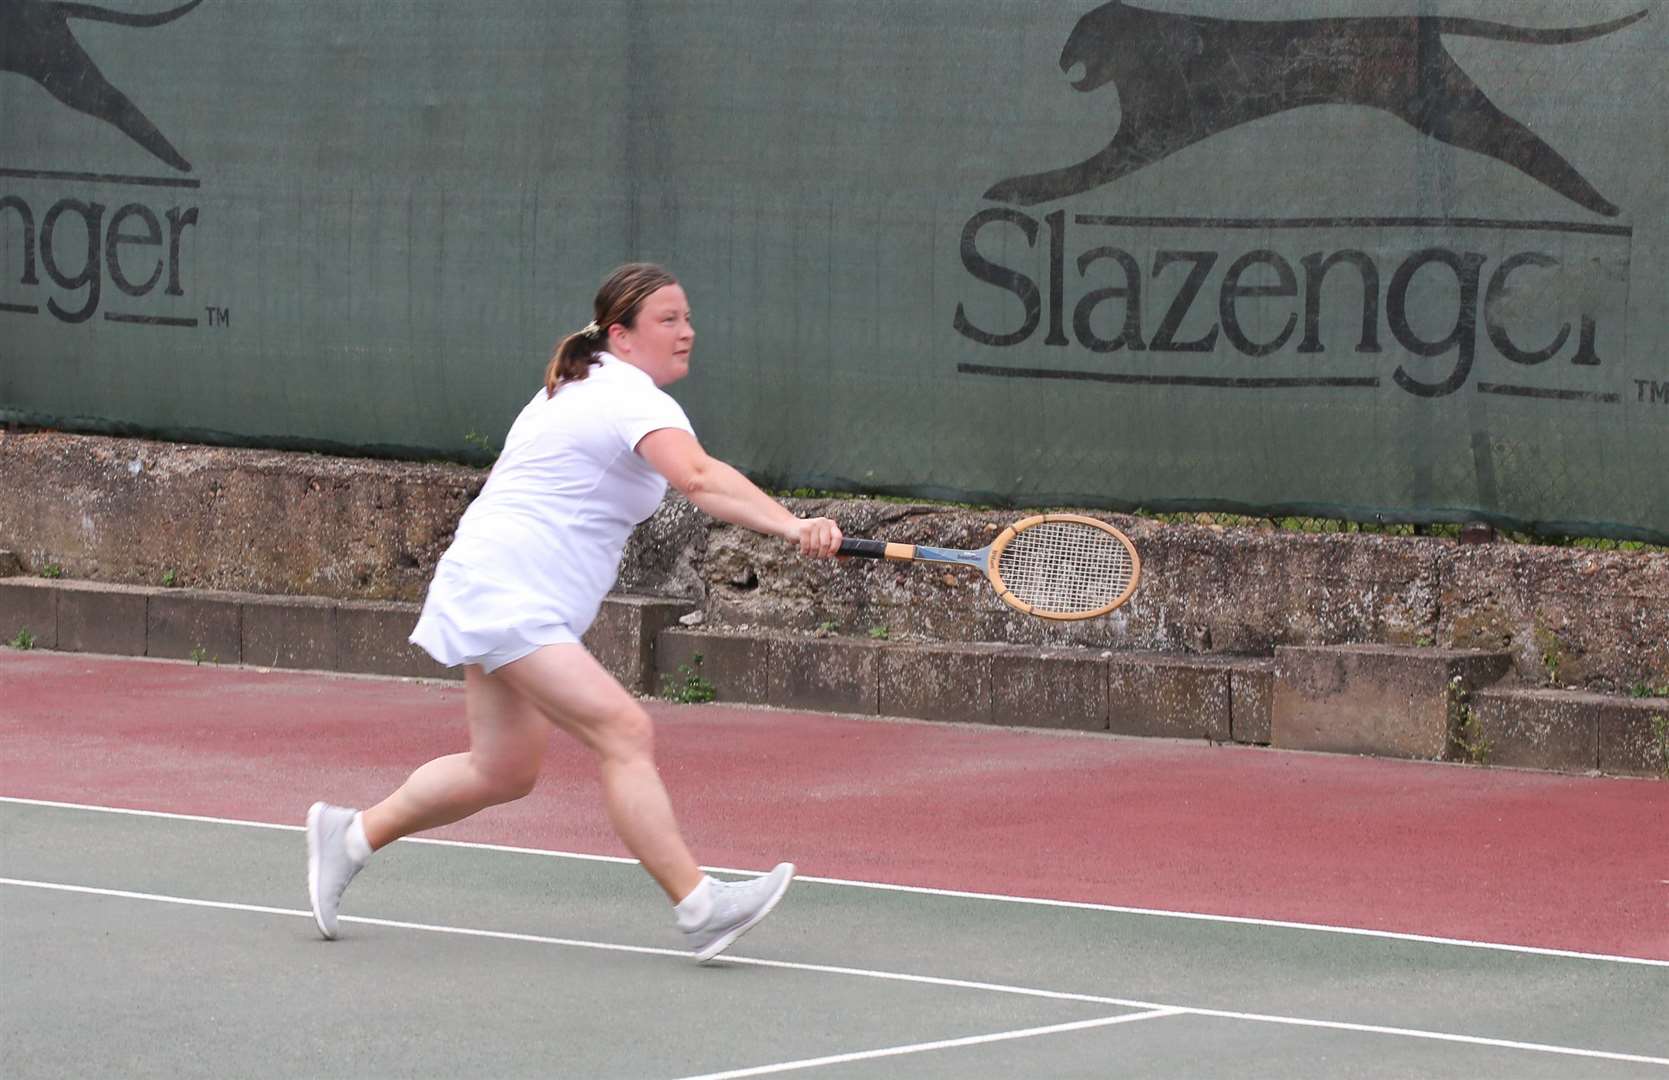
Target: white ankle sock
(697, 907)
(359, 848)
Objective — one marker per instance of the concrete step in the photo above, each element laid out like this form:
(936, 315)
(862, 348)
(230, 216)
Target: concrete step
(1370, 699)
(1570, 731)
(1384, 700)
(1214, 697)
(305, 632)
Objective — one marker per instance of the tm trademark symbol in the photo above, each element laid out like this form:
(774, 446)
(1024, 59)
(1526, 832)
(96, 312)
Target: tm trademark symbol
(1647, 390)
(218, 316)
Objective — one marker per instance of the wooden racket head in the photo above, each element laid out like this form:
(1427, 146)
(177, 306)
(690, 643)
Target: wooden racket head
(1063, 566)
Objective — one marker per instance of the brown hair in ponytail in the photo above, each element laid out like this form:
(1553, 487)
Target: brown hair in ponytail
(618, 300)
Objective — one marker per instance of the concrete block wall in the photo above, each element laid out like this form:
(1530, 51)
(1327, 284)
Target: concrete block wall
(134, 511)
(1413, 702)
(1573, 732)
(304, 632)
(1377, 699)
(1219, 698)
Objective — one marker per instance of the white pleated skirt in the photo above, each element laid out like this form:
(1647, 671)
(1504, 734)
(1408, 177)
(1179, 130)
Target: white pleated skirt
(474, 618)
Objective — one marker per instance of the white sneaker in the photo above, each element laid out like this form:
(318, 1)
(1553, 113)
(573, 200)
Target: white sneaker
(329, 866)
(737, 906)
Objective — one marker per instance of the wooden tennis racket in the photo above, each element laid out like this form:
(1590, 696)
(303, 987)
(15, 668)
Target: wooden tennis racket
(1054, 566)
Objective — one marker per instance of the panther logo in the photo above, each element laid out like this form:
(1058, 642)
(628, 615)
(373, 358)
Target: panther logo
(1184, 78)
(36, 42)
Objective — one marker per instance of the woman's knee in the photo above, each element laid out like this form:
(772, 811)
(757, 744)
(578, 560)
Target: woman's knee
(505, 780)
(626, 734)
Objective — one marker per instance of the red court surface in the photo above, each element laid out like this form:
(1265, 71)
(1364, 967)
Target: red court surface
(1491, 855)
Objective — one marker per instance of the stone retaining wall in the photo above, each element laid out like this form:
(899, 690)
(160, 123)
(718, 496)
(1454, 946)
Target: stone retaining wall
(128, 511)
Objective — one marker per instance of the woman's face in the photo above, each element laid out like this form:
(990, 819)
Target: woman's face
(660, 343)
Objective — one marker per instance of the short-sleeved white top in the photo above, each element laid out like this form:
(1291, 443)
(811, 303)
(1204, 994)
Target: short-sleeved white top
(554, 517)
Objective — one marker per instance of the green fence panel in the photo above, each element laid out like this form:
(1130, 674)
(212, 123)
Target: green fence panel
(1402, 261)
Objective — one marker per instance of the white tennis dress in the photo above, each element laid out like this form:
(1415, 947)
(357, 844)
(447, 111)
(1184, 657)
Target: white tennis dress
(541, 545)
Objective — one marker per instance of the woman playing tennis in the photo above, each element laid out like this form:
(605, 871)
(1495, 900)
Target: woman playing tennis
(588, 458)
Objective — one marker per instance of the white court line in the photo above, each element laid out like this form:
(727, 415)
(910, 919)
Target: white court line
(540, 939)
(889, 976)
(942, 1044)
(955, 894)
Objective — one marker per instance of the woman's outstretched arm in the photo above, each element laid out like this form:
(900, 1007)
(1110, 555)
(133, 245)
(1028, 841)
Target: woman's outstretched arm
(718, 489)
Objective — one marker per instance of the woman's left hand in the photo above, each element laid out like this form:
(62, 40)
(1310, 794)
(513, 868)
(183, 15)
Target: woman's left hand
(818, 537)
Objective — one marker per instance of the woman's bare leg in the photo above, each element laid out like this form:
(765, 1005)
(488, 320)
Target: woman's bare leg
(577, 694)
(507, 738)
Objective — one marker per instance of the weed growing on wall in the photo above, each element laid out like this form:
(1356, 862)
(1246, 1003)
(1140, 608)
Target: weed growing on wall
(1466, 734)
(688, 687)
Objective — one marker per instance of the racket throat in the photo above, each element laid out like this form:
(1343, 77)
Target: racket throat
(976, 559)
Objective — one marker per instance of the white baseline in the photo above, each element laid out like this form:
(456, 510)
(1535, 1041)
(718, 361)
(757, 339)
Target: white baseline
(955, 894)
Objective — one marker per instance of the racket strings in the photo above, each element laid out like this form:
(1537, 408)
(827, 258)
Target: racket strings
(1065, 567)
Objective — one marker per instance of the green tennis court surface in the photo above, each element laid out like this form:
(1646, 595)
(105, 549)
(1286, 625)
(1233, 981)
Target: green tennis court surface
(149, 945)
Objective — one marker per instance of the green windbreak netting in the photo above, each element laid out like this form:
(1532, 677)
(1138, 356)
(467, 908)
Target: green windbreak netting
(1354, 258)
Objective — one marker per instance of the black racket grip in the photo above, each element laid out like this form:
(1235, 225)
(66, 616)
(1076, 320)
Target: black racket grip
(863, 549)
